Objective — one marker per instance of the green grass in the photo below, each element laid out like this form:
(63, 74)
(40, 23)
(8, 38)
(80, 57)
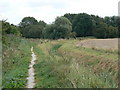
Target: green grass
(60, 64)
(71, 46)
(16, 59)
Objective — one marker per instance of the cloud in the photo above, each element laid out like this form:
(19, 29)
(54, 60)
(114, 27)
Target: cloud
(54, 3)
(48, 10)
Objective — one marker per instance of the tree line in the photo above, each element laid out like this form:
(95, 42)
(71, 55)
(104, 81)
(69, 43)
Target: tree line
(91, 25)
(66, 26)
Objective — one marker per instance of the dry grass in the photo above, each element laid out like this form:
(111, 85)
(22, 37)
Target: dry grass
(109, 44)
(62, 64)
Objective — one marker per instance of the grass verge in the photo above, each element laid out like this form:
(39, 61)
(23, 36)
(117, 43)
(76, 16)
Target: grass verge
(16, 58)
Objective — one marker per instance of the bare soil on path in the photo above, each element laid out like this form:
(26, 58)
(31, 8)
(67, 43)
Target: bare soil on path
(31, 73)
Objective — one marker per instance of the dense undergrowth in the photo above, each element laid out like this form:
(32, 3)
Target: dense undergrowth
(60, 64)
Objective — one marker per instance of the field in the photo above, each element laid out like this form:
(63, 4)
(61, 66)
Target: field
(60, 64)
(50, 44)
(107, 44)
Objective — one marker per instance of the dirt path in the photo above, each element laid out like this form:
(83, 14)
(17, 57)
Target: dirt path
(31, 73)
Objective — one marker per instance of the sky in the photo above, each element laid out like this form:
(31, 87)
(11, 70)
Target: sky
(47, 10)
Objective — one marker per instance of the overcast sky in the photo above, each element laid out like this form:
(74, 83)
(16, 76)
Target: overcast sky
(48, 10)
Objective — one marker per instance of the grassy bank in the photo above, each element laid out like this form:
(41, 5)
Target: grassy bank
(60, 64)
(16, 59)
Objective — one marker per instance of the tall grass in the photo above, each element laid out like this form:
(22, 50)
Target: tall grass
(16, 59)
(62, 65)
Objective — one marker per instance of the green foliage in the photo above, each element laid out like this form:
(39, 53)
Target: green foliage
(73, 34)
(42, 23)
(5, 27)
(70, 26)
(15, 30)
(63, 65)
(104, 31)
(49, 31)
(101, 30)
(83, 25)
(30, 28)
(113, 21)
(70, 16)
(62, 21)
(67, 26)
(28, 21)
(15, 64)
(113, 32)
(9, 29)
(90, 25)
(33, 31)
(61, 28)
(118, 24)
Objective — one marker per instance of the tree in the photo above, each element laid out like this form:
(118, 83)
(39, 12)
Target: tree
(112, 32)
(111, 20)
(49, 31)
(5, 27)
(104, 30)
(15, 30)
(83, 25)
(101, 30)
(61, 28)
(31, 28)
(28, 21)
(42, 23)
(33, 31)
(118, 26)
(70, 16)
(8, 28)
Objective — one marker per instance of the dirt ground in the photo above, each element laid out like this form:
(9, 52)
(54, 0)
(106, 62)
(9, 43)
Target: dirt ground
(111, 44)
